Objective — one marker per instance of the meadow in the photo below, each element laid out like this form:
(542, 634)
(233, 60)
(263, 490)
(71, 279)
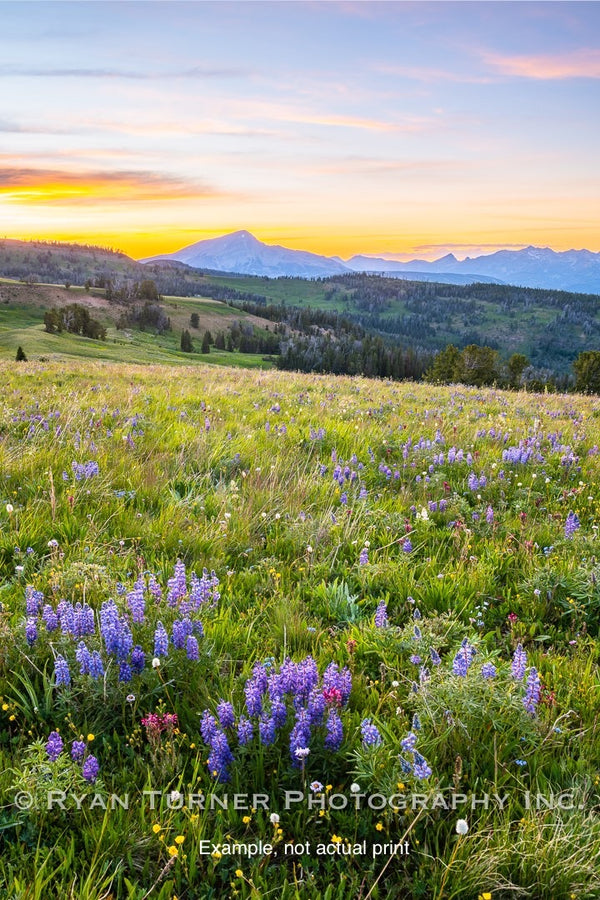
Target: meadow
(277, 635)
(22, 308)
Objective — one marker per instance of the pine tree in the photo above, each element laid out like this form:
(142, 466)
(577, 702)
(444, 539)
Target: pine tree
(206, 342)
(20, 357)
(186, 342)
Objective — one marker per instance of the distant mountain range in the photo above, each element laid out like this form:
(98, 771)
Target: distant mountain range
(243, 254)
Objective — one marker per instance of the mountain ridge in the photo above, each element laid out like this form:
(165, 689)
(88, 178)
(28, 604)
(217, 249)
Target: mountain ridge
(536, 267)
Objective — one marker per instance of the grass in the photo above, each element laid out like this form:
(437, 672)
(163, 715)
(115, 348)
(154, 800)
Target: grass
(22, 316)
(226, 470)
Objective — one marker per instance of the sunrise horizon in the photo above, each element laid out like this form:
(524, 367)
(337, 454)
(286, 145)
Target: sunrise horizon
(166, 245)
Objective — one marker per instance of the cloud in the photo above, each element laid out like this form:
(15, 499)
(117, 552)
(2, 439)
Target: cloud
(354, 165)
(56, 186)
(127, 74)
(584, 63)
(7, 126)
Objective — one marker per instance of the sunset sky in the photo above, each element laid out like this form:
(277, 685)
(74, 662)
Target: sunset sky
(402, 129)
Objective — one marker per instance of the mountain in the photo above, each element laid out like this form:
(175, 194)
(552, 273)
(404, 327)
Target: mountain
(536, 267)
(418, 270)
(242, 253)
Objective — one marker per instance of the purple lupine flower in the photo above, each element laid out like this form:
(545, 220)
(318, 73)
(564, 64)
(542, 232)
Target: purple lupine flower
(363, 558)
(299, 736)
(407, 545)
(409, 743)
(136, 601)
(253, 693)
(204, 590)
(519, 663)
(220, 757)
(370, 734)
(66, 615)
(181, 630)
(124, 672)
(86, 470)
(177, 585)
(77, 750)
(280, 713)
(307, 678)
(161, 640)
(417, 633)
(416, 613)
(61, 671)
(571, 525)
(123, 641)
(54, 746)
(83, 657)
(463, 659)
(90, 769)
(317, 704)
(31, 632)
(473, 482)
(533, 691)
(381, 615)
(208, 726)
(489, 515)
(226, 714)
(33, 600)
(334, 730)
(191, 648)
(138, 659)
(267, 730)
(83, 620)
(95, 666)
(421, 768)
(50, 618)
(415, 659)
(245, 730)
(416, 723)
(488, 670)
(435, 656)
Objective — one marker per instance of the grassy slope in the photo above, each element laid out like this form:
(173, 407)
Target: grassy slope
(21, 323)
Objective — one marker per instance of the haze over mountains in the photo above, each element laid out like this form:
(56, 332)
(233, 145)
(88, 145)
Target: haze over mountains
(242, 253)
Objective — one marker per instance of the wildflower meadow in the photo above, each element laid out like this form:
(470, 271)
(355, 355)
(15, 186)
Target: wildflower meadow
(275, 635)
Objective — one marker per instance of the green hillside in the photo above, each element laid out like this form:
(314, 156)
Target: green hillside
(550, 327)
(22, 309)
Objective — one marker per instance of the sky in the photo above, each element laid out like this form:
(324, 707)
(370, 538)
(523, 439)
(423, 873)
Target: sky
(396, 129)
